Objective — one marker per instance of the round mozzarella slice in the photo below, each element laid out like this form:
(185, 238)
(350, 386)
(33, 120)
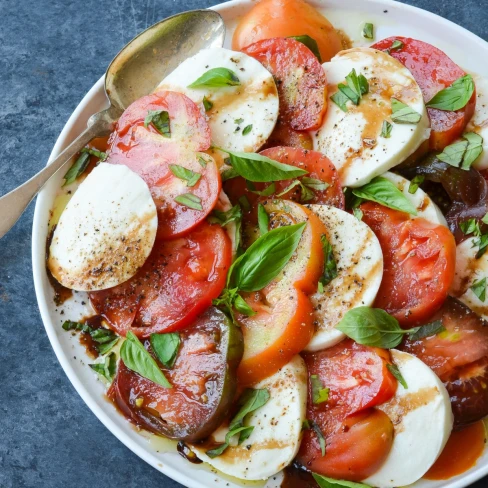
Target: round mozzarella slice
(106, 231)
(352, 140)
(469, 271)
(275, 440)
(359, 259)
(422, 421)
(426, 208)
(479, 122)
(242, 117)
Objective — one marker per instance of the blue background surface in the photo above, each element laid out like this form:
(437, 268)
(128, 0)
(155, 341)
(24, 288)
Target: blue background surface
(51, 53)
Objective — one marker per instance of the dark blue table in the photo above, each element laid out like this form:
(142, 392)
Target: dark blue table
(51, 53)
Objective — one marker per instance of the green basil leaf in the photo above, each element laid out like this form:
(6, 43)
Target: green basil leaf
(107, 368)
(258, 168)
(383, 191)
(479, 289)
(474, 149)
(166, 347)
(224, 218)
(207, 104)
(160, 120)
(393, 369)
(314, 183)
(401, 113)
(185, 174)
(470, 226)
(217, 451)
(268, 191)
(107, 346)
(426, 330)
(215, 78)
(340, 100)
(386, 129)
(348, 92)
(265, 258)
(228, 174)
(325, 482)
(306, 425)
(396, 45)
(290, 187)
(245, 433)
(137, 359)
(320, 394)
(77, 169)
(102, 335)
(454, 153)
(311, 43)
(202, 162)
(330, 265)
(371, 327)
(189, 200)
(352, 81)
(320, 436)
(454, 97)
(482, 243)
(414, 184)
(102, 156)
(358, 213)
(249, 402)
(241, 306)
(485, 219)
(238, 121)
(71, 325)
(244, 202)
(363, 84)
(368, 31)
(263, 219)
(246, 130)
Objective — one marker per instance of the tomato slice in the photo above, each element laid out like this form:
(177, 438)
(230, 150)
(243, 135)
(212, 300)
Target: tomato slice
(419, 261)
(459, 356)
(148, 153)
(283, 323)
(300, 78)
(433, 70)
(358, 437)
(178, 281)
(284, 18)
(203, 381)
(284, 135)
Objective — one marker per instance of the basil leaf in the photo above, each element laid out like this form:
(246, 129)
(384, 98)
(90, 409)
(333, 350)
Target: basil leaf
(330, 265)
(363, 84)
(268, 191)
(325, 482)
(482, 243)
(228, 174)
(263, 219)
(166, 346)
(348, 92)
(401, 113)
(479, 289)
(185, 174)
(189, 200)
(258, 168)
(77, 169)
(454, 153)
(474, 149)
(160, 120)
(395, 45)
(71, 325)
(311, 43)
(454, 97)
(241, 306)
(107, 368)
(202, 162)
(340, 100)
(320, 436)
(217, 451)
(485, 219)
(265, 258)
(427, 330)
(107, 346)
(245, 203)
(371, 327)
(358, 213)
(383, 191)
(102, 335)
(414, 184)
(368, 31)
(314, 183)
(393, 369)
(215, 78)
(207, 104)
(470, 226)
(246, 130)
(249, 402)
(290, 187)
(305, 424)
(320, 394)
(386, 129)
(224, 218)
(353, 83)
(102, 156)
(137, 359)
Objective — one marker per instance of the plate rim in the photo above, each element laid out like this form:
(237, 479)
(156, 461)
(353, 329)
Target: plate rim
(38, 266)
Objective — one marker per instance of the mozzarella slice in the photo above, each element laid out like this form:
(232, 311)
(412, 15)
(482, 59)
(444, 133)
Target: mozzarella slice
(352, 140)
(426, 208)
(468, 271)
(422, 421)
(359, 259)
(479, 122)
(252, 103)
(106, 231)
(275, 440)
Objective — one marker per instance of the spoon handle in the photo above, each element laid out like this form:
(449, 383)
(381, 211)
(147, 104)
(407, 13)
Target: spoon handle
(13, 204)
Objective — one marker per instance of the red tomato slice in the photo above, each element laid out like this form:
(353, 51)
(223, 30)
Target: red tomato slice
(148, 153)
(284, 135)
(433, 70)
(178, 281)
(300, 78)
(459, 356)
(419, 262)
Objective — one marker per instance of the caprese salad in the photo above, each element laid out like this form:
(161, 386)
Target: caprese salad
(285, 250)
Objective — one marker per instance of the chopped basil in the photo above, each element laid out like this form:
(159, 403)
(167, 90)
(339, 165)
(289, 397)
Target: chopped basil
(482, 243)
(215, 78)
(224, 218)
(454, 153)
(463, 153)
(238, 121)
(166, 346)
(228, 174)
(368, 31)
(263, 219)
(207, 104)
(330, 265)
(189, 200)
(320, 436)
(395, 45)
(77, 169)
(358, 213)
(414, 184)
(454, 97)
(244, 202)
(401, 113)
(470, 226)
(305, 424)
(246, 130)
(384, 192)
(485, 219)
(340, 100)
(160, 120)
(474, 149)
(105, 338)
(355, 87)
(314, 183)
(266, 192)
(185, 174)
(107, 368)
(431, 329)
(479, 289)
(325, 482)
(202, 162)
(137, 359)
(102, 156)
(393, 369)
(320, 394)
(311, 43)
(241, 306)
(386, 129)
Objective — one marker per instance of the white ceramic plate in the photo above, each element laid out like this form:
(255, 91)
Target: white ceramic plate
(390, 18)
